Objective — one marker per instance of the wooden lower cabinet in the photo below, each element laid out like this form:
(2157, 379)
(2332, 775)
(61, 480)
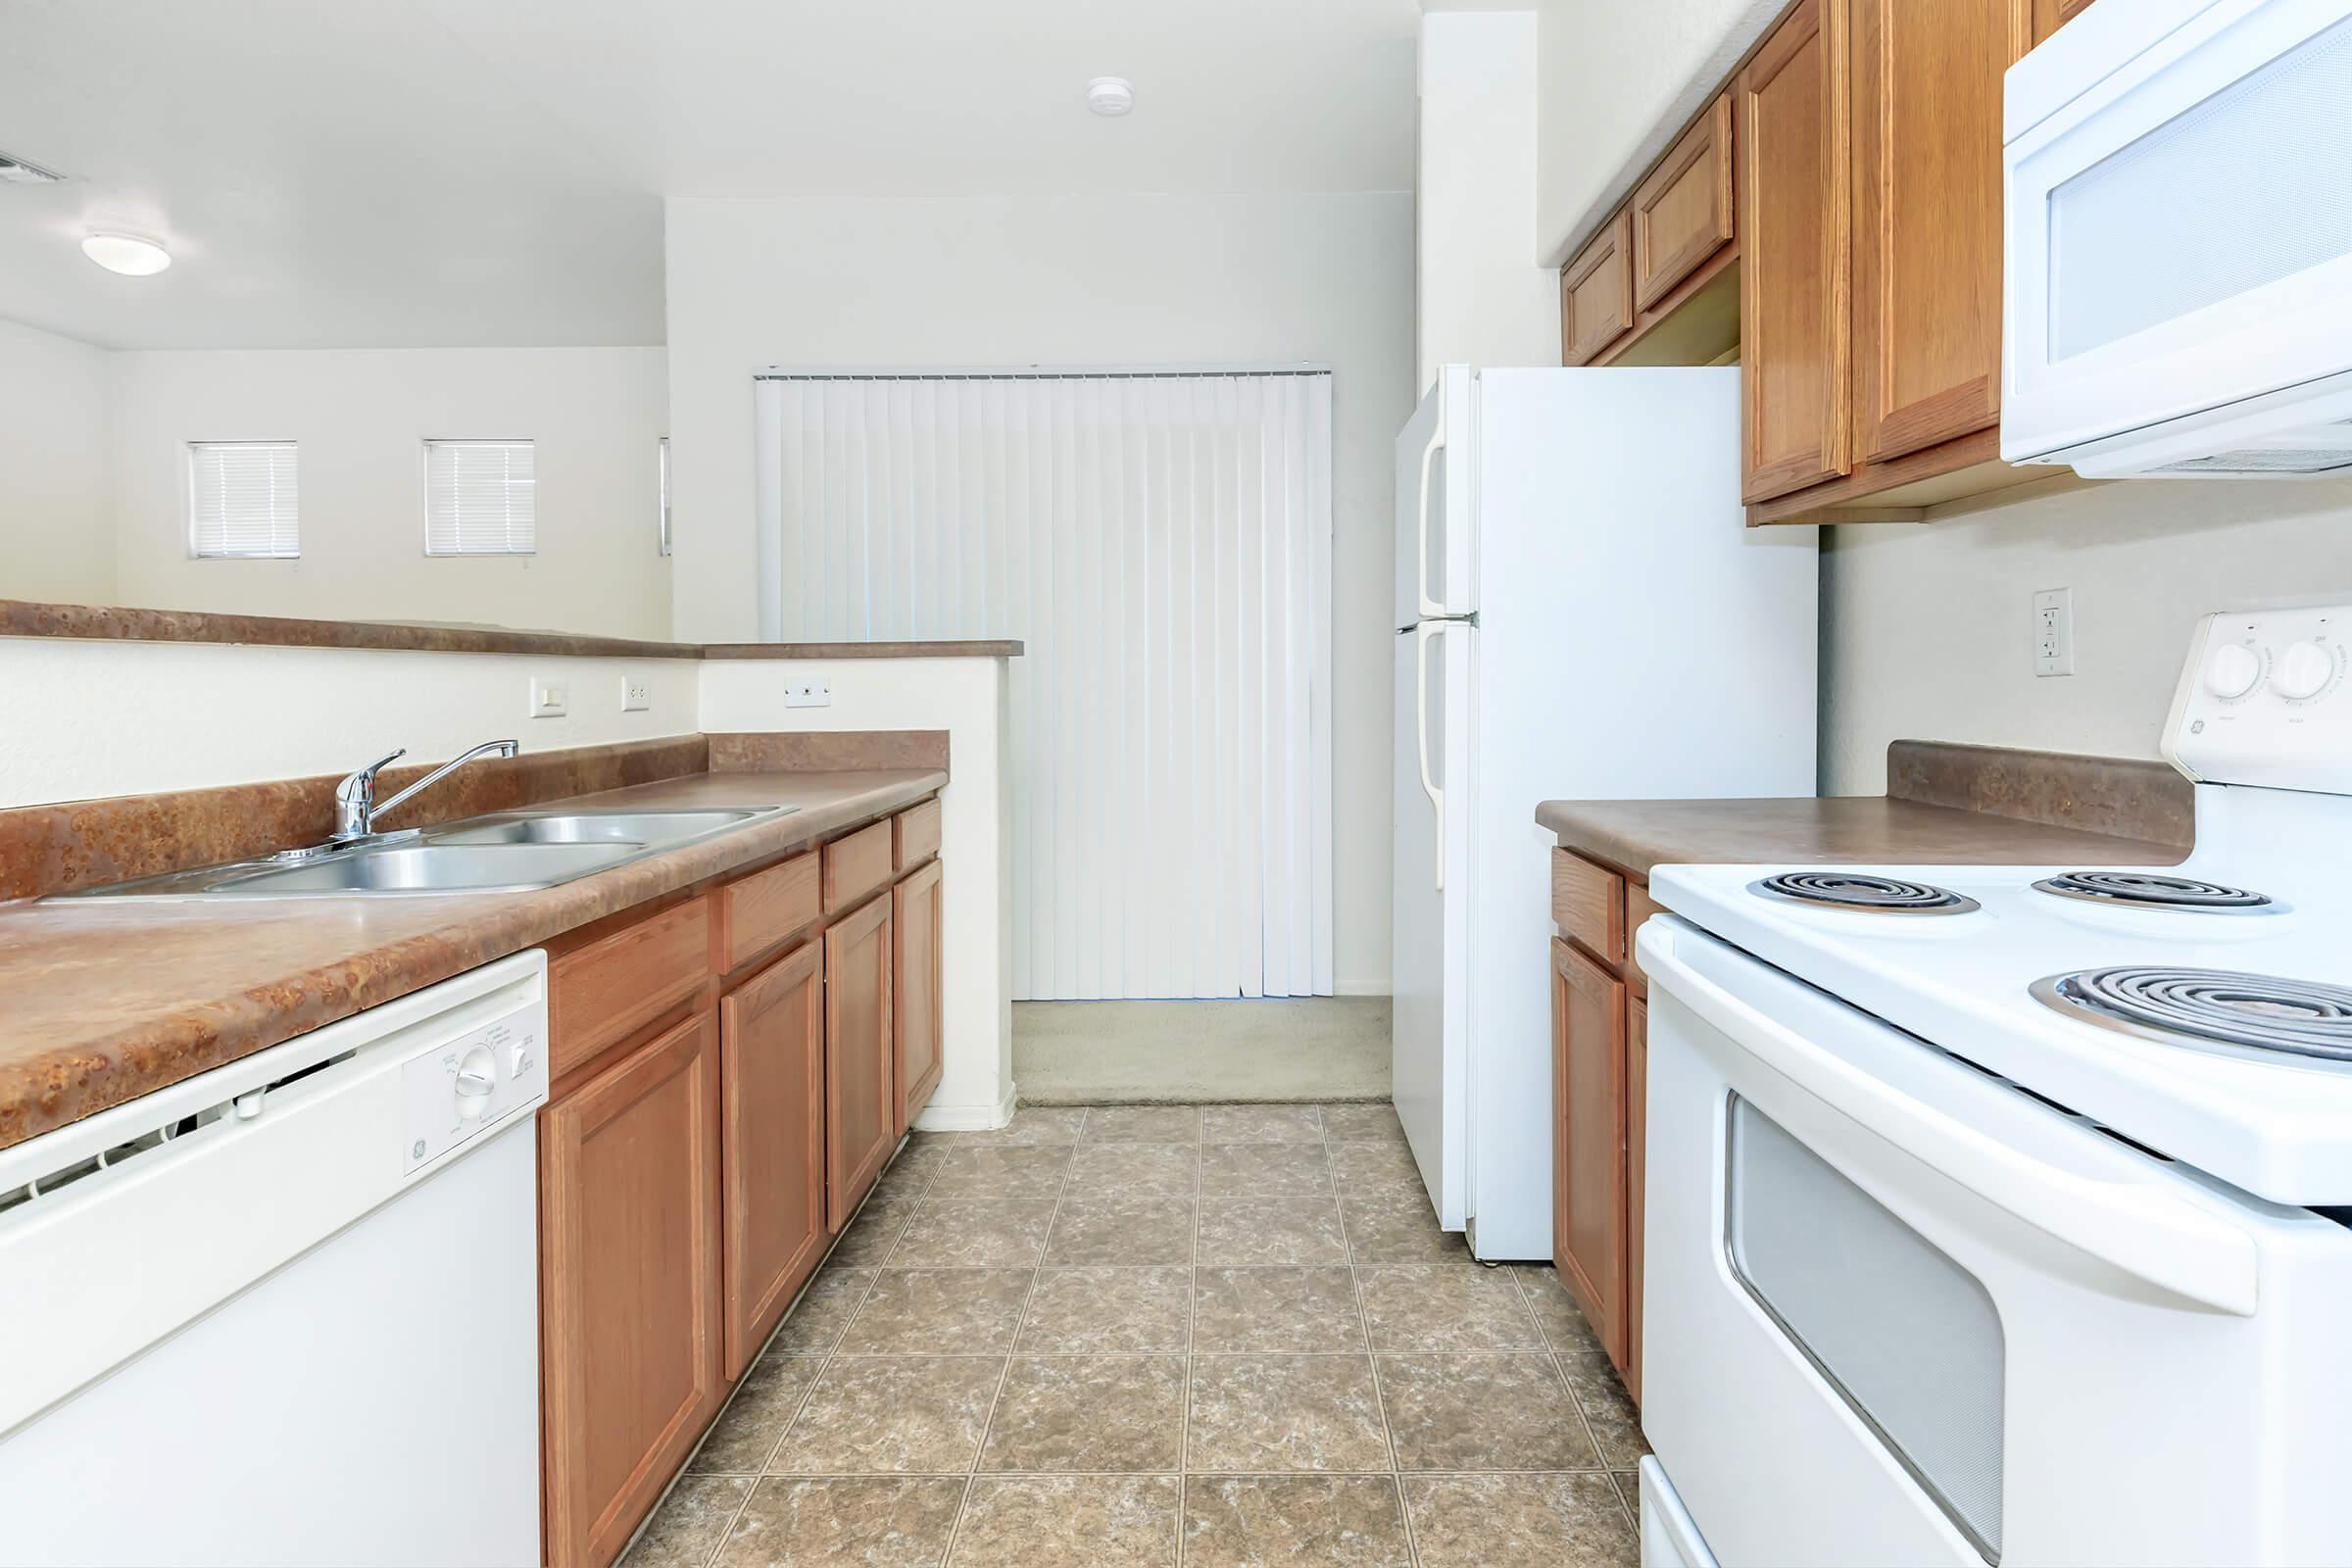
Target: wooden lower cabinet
(918, 1005)
(861, 1106)
(629, 1285)
(731, 1076)
(771, 1144)
(1589, 1104)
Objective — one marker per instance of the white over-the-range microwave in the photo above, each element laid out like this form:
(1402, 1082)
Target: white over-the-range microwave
(2178, 252)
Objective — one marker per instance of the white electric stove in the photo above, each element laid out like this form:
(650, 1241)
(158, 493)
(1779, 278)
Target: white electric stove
(2000, 1213)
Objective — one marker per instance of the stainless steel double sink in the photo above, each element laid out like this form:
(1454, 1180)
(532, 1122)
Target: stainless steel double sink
(511, 852)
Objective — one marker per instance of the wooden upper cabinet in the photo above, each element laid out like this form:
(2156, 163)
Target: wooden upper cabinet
(1589, 1220)
(1596, 293)
(629, 1286)
(1928, 216)
(2051, 15)
(1682, 213)
(1795, 218)
(771, 1032)
(862, 1115)
(918, 1012)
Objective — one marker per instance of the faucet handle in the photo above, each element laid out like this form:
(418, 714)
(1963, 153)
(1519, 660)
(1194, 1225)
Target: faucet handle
(364, 779)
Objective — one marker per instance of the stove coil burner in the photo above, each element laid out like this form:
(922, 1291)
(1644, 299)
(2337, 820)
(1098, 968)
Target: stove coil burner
(2263, 1012)
(2149, 890)
(1853, 890)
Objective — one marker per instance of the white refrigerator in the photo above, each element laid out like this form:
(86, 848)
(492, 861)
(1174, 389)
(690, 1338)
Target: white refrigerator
(1582, 614)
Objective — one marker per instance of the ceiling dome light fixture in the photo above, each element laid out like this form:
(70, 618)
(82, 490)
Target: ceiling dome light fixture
(1110, 95)
(127, 254)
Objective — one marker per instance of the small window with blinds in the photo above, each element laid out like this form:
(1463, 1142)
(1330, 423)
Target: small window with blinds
(665, 495)
(480, 498)
(242, 501)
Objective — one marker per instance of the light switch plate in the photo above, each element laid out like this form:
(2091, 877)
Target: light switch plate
(2054, 633)
(816, 692)
(550, 699)
(636, 694)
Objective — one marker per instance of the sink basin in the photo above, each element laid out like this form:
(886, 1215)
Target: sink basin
(652, 829)
(511, 853)
(435, 868)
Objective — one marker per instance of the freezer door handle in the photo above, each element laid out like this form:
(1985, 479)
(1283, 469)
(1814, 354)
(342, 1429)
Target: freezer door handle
(1422, 634)
(1430, 607)
(2146, 1234)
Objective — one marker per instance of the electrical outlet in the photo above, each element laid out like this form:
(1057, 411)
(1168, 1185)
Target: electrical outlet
(2054, 633)
(813, 693)
(550, 699)
(636, 694)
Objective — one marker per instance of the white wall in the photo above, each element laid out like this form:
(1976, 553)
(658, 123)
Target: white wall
(968, 699)
(1092, 281)
(1480, 296)
(1926, 628)
(92, 718)
(361, 417)
(54, 538)
(1615, 81)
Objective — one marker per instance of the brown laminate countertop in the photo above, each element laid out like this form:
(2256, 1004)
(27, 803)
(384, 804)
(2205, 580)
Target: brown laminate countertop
(104, 1000)
(25, 617)
(1635, 836)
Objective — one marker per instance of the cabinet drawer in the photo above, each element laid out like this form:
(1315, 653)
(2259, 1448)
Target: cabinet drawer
(855, 865)
(1596, 293)
(766, 908)
(1639, 906)
(914, 834)
(1682, 212)
(1587, 904)
(599, 995)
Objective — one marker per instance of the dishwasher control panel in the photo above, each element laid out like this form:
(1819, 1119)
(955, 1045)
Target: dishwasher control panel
(464, 1085)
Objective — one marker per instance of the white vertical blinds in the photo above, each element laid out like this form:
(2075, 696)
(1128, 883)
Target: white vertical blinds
(243, 500)
(480, 498)
(1162, 544)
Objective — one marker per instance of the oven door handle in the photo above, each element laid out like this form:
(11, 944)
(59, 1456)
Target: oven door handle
(2149, 1235)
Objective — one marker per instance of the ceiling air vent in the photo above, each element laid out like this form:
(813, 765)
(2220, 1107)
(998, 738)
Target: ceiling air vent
(17, 171)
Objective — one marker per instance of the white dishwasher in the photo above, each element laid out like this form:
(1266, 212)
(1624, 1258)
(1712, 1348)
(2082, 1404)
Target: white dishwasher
(286, 1312)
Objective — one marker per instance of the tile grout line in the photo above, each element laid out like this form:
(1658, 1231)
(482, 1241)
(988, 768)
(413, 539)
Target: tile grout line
(1192, 1310)
(1576, 1403)
(1380, 1398)
(824, 1362)
(1012, 1345)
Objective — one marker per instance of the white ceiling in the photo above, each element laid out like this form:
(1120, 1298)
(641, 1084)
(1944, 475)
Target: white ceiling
(450, 173)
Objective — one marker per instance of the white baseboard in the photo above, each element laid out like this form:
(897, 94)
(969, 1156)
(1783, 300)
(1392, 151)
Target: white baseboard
(938, 1118)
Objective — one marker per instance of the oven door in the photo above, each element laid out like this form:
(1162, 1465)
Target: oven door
(2178, 234)
(1897, 1311)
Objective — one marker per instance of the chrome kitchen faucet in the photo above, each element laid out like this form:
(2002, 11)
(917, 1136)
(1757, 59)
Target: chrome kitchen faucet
(356, 807)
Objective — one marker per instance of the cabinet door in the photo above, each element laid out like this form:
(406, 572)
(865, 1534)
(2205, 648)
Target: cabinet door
(1596, 293)
(2051, 15)
(1637, 1116)
(1796, 244)
(771, 1076)
(1682, 213)
(629, 1278)
(1587, 1078)
(861, 1115)
(918, 1015)
(1928, 216)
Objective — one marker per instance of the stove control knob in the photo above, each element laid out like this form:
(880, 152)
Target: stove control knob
(2231, 671)
(2304, 670)
(477, 1075)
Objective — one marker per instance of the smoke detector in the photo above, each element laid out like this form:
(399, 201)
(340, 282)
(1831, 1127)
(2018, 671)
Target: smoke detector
(17, 171)
(1110, 95)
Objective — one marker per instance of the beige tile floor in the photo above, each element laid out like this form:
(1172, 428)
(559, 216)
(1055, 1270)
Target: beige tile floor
(1200, 1335)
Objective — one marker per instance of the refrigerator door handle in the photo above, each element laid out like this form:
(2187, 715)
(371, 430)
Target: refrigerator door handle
(1430, 607)
(1422, 633)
